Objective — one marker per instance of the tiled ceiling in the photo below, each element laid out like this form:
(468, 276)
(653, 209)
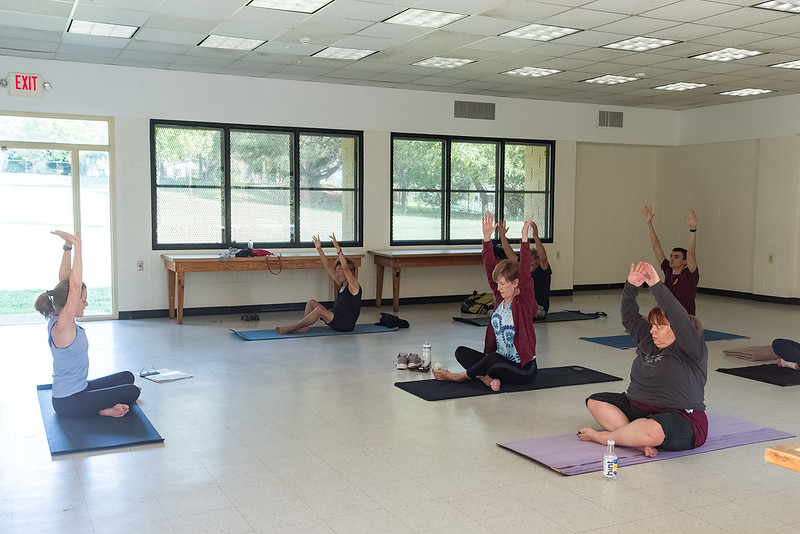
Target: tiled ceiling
(169, 32)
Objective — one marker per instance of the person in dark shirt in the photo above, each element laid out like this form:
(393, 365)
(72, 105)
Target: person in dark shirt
(664, 406)
(680, 269)
(346, 309)
(541, 272)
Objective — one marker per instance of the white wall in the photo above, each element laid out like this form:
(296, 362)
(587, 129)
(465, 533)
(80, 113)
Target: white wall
(603, 176)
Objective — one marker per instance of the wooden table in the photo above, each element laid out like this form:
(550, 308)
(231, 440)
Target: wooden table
(398, 259)
(787, 456)
(178, 265)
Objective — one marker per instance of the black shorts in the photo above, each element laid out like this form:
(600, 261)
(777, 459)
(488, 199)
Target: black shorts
(678, 431)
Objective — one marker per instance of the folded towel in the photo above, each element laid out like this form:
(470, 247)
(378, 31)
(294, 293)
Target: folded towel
(754, 354)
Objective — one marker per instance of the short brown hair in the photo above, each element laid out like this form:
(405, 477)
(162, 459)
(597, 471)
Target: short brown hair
(508, 269)
(350, 265)
(656, 316)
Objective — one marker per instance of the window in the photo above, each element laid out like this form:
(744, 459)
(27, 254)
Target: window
(216, 186)
(442, 186)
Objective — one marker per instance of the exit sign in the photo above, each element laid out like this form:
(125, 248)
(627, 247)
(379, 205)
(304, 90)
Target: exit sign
(20, 84)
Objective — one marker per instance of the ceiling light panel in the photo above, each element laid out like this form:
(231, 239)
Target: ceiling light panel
(640, 44)
(533, 72)
(746, 92)
(101, 29)
(789, 65)
(538, 32)
(302, 6)
(609, 79)
(443, 62)
(728, 54)
(789, 7)
(681, 86)
(230, 43)
(352, 54)
(424, 18)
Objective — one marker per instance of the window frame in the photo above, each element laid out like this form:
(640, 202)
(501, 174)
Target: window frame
(447, 190)
(296, 133)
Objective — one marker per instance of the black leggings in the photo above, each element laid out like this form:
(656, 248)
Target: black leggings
(495, 365)
(101, 393)
(787, 349)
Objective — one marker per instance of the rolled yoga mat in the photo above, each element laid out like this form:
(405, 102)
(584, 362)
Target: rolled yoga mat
(67, 435)
(768, 372)
(553, 317)
(624, 341)
(549, 377)
(261, 335)
(570, 456)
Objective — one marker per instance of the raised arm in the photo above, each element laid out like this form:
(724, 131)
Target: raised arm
(654, 242)
(64, 331)
(539, 247)
(502, 229)
(691, 257)
(66, 259)
(352, 281)
(635, 325)
(326, 264)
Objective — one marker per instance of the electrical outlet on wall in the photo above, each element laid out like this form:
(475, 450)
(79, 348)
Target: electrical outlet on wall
(140, 265)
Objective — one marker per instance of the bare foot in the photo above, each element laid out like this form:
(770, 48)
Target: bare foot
(118, 410)
(283, 330)
(303, 330)
(590, 434)
(650, 452)
(491, 383)
(447, 376)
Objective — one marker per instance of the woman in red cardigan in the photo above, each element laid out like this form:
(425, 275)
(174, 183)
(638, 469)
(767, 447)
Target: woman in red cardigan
(509, 352)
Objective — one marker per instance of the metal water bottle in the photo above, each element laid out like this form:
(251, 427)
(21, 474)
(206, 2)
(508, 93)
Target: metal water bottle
(610, 462)
(426, 355)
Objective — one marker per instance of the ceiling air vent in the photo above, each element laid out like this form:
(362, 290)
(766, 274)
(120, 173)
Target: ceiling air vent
(474, 110)
(609, 119)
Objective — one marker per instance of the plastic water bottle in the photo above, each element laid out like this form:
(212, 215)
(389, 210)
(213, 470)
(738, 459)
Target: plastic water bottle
(610, 462)
(426, 354)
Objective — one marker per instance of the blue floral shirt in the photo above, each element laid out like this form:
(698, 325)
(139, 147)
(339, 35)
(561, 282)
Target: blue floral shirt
(503, 324)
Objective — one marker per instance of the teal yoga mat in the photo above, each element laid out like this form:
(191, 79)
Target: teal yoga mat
(624, 341)
(262, 335)
(553, 317)
(67, 435)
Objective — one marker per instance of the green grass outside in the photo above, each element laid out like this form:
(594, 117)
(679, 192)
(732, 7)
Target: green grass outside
(21, 301)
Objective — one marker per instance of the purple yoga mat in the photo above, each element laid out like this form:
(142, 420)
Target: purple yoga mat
(570, 456)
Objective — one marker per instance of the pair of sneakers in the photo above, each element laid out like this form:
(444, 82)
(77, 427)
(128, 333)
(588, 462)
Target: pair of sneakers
(408, 361)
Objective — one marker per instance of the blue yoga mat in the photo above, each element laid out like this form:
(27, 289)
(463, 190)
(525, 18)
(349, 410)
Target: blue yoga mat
(261, 335)
(624, 341)
(67, 435)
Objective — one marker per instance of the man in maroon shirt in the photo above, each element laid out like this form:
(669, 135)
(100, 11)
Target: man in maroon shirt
(680, 269)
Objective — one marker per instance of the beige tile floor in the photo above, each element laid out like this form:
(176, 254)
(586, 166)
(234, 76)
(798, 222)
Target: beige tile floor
(310, 436)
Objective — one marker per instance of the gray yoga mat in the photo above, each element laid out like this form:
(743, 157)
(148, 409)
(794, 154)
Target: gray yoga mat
(261, 335)
(624, 341)
(552, 317)
(769, 373)
(570, 456)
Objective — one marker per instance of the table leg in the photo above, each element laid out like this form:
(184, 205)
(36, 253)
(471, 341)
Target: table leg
(171, 292)
(181, 277)
(378, 284)
(395, 288)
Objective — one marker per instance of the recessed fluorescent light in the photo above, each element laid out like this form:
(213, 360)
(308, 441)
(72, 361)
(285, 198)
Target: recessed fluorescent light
(424, 18)
(99, 28)
(681, 86)
(343, 53)
(537, 32)
(789, 65)
(303, 6)
(746, 92)
(443, 62)
(231, 43)
(609, 79)
(728, 54)
(640, 44)
(790, 7)
(533, 72)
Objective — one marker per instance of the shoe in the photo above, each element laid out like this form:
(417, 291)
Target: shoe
(414, 361)
(402, 361)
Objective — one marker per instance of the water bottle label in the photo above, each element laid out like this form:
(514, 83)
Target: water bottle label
(610, 468)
